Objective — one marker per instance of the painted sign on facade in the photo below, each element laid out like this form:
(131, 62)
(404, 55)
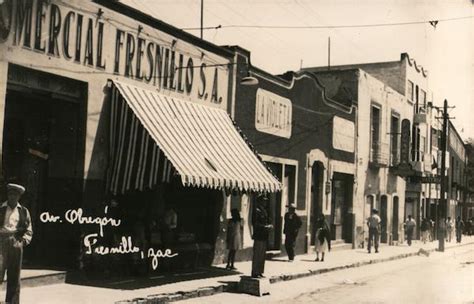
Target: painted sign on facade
(87, 38)
(273, 114)
(343, 134)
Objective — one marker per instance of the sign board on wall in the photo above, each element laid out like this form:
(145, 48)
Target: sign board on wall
(343, 134)
(73, 38)
(273, 114)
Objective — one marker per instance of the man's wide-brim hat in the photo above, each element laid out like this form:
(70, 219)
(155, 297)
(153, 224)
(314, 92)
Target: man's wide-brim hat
(291, 206)
(15, 187)
(375, 210)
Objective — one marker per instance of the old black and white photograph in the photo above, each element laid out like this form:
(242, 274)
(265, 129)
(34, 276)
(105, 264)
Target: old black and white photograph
(237, 151)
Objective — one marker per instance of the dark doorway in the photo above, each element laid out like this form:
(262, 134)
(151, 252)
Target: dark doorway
(383, 218)
(341, 207)
(274, 211)
(43, 149)
(317, 192)
(395, 221)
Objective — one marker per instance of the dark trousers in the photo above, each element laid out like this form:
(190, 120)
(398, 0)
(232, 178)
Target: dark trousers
(373, 237)
(290, 241)
(11, 263)
(458, 235)
(258, 259)
(409, 236)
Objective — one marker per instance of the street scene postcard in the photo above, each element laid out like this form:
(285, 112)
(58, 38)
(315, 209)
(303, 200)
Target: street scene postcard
(237, 151)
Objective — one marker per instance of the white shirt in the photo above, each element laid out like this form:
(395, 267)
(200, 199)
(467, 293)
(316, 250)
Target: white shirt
(12, 217)
(374, 221)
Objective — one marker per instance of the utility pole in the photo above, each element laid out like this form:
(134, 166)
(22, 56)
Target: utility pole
(202, 16)
(329, 53)
(443, 199)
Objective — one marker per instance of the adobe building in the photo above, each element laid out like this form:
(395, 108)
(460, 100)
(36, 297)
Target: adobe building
(308, 141)
(410, 80)
(102, 102)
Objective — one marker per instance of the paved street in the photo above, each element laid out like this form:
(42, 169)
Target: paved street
(334, 286)
(440, 278)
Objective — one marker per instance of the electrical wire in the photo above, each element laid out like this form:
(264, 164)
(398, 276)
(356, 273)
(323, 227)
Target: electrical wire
(331, 26)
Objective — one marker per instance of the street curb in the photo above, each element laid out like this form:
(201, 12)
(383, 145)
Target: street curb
(233, 286)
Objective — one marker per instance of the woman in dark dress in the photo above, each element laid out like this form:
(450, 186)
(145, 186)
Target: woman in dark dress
(322, 242)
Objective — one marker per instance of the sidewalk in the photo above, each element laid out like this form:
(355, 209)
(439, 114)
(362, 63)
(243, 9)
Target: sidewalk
(277, 270)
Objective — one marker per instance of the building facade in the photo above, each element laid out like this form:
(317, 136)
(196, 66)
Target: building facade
(308, 141)
(101, 102)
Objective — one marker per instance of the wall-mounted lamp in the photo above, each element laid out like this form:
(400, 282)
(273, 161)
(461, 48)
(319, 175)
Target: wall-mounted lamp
(249, 80)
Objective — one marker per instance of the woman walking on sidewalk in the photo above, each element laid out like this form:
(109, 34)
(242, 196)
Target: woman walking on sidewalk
(322, 242)
(234, 237)
(425, 230)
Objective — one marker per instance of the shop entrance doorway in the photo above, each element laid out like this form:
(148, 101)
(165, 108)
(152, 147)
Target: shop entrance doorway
(43, 149)
(317, 194)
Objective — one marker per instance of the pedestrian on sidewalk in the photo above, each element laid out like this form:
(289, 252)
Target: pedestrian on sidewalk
(468, 227)
(373, 222)
(15, 233)
(261, 227)
(425, 230)
(459, 229)
(449, 229)
(410, 225)
(322, 242)
(432, 230)
(291, 228)
(235, 227)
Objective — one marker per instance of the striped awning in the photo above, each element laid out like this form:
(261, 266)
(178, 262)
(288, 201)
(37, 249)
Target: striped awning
(201, 142)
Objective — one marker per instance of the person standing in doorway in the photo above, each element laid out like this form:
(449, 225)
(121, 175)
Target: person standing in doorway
(410, 225)
(373, 222)
(170, 223)
(235, 229)
(322, 242)
(291, 228)
(459, 229)
(15, 232)
(261, 227)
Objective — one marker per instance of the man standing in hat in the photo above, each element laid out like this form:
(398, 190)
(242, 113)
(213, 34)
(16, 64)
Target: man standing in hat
(292, 225)
(374, 227)
(261, 227)
(15, 233)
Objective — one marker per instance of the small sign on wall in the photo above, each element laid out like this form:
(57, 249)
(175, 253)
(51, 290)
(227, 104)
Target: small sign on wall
(273, 114)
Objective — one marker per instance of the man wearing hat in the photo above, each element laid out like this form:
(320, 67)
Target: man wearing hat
(292, 225)
(261, 227)
(15, 233)
(374, 227)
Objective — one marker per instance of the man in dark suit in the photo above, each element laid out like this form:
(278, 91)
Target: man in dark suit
(15, 233)
(261, 227)
(292, 225)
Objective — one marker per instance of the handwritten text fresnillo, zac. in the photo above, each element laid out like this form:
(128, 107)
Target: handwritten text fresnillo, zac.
(126, 246)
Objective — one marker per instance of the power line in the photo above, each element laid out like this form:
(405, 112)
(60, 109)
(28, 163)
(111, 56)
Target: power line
(431, 22)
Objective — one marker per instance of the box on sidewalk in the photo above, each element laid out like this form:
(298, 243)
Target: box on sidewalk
(254, 286)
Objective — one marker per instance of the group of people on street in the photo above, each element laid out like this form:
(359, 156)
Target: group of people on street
(261, 228)
(322, 235)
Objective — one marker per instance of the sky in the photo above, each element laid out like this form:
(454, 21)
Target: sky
(446, 51)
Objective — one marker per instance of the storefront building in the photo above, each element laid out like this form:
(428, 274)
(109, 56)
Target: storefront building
(383, 115)
(101, 102)
(407, 78)
(308, 142)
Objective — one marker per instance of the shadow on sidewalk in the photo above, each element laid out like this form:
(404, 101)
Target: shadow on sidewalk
(130, 282)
